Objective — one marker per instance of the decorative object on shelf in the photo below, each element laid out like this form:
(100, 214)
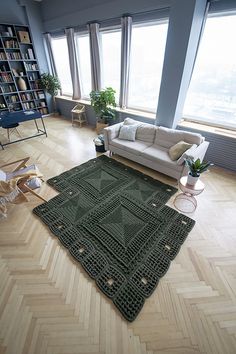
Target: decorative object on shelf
(195, 169)
(103, 102)
(24, 36)
(51, 84)
(21, 84)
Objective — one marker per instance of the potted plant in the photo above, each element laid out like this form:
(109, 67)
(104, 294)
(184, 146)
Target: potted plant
(195, 169)
(50, 84)
(103, 102)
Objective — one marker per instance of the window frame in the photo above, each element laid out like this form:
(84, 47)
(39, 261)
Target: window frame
(62, 93)
(208, 122)
(147, 23)
(83, 33)
(104, 30)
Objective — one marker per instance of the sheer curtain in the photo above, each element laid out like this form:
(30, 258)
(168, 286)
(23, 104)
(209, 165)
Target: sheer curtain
(95, 52)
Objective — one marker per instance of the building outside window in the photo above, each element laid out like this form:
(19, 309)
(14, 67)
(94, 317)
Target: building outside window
(212, 93)
(82, 42)
(111, 58)
(61, 58)
(147, 56)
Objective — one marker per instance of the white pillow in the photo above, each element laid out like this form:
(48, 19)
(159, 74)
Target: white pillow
(128, 132)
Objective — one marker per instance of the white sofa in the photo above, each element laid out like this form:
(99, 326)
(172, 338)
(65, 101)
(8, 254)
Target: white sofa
(152, 144)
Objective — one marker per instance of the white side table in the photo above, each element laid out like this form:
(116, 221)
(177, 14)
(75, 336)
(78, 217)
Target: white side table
(186, 201)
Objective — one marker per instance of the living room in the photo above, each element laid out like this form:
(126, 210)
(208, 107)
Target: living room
(114, 237)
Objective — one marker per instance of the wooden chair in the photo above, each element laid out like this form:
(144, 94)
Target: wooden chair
(20, 169)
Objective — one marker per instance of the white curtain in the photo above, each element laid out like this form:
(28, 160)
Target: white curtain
(73, 59)
(52, 66)
(126, 27)
(95, 53)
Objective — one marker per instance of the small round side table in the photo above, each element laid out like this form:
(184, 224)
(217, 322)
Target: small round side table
(186, 201)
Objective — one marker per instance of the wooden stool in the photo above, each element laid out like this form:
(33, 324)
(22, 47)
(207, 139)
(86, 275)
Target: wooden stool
(78, 114)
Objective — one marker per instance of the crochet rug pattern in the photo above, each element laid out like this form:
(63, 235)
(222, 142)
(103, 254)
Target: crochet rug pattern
(114, 222)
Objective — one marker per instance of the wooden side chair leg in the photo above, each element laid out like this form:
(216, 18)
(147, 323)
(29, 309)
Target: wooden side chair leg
(22, 164)
(34, 193)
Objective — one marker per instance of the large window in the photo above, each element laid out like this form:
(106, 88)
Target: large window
(111, 56)
(84, 64)
(147, 55)
(212, 93)
(61, 58)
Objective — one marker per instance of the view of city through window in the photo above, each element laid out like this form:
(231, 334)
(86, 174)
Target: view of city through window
(111, 57)
(84, 64)
(147, 55)
(212, 92)
(61, 58)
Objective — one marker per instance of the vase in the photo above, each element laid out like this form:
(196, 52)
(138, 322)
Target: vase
(21, 84)
(192, 180)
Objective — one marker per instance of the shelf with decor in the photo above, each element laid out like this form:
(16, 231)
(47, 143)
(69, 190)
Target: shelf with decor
(19, 71)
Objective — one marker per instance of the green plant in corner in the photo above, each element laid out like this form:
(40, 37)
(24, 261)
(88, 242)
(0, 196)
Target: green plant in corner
(197, 167)
(103, 102)
(50, 84)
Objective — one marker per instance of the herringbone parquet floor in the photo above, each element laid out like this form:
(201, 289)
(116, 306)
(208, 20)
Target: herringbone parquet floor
(48, 304)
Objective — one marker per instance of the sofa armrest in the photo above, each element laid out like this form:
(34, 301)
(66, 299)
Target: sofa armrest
(111, 133)
(196, 151)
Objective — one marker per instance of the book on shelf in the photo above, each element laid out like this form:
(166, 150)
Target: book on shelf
(9, 29)
(5, 77)
(30, 53)
(11, 44)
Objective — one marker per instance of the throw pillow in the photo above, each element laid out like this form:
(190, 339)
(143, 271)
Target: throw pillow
(130, 121)
(178, 149)
(128, 132)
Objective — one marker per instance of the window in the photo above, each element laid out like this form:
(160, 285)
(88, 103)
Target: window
(84, 64)
(147, 55)
(111, 57)
(61, 58)
(212, 93)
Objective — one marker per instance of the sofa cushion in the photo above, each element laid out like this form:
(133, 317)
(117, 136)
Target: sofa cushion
(146, 132)
(168, 137)
(128, 132)
(134, 147)
(187, 153)
(159, 154)
(130, 121)
(178, 149)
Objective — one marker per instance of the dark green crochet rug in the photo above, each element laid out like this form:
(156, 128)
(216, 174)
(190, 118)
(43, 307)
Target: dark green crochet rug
(114, 221)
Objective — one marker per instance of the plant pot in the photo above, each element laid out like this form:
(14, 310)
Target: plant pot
(100, 126)
(192, 180)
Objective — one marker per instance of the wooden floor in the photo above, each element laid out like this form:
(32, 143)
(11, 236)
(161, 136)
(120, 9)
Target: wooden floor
(48, 304)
